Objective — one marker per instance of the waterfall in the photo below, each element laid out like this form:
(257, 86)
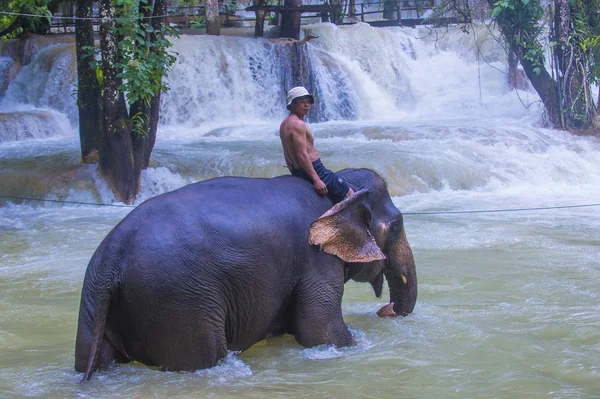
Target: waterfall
(356, 72)
(38, 97)
(431, 111)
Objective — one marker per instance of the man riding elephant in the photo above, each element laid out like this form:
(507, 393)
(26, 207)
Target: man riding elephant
(301, 155)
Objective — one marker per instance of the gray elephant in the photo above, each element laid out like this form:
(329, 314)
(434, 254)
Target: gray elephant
(222, 264)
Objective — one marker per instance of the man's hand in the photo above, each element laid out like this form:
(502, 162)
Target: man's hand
(320, 187)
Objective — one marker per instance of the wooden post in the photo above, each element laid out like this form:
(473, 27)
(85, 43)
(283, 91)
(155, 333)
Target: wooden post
(352, 8)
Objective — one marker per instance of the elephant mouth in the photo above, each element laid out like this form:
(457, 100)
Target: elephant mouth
(390, 310)
(387, 311)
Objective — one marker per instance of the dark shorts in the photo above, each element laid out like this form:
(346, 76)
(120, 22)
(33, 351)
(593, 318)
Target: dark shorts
(336, 187)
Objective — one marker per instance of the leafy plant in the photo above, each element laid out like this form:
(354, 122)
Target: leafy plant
(143, 52)
(522, 22)
(199, 23)
(139, 122)
(14, 25)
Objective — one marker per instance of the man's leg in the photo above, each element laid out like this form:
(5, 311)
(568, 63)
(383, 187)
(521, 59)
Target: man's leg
(337, 189)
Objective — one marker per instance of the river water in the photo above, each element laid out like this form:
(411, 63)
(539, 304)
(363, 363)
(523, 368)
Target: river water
(509, 300)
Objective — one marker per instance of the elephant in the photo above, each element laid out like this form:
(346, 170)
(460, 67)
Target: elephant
(222, 264)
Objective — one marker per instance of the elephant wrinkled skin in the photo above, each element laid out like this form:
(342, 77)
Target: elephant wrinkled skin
(222, 264)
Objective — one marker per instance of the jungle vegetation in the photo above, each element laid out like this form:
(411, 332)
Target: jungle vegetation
(557, 42)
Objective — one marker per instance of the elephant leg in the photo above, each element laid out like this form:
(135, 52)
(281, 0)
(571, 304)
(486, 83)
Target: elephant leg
(200, 350)
(318, 314)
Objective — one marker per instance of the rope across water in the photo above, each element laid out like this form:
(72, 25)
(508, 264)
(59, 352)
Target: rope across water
(544, 208)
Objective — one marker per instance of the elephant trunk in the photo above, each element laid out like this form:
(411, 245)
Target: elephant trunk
(401, 275)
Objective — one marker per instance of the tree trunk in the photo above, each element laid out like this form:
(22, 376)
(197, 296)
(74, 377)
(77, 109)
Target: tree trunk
(389, 9)
(547, 89)
(143, 146)
(591, 12)
(337, 15)
(291, 20)
(212, 17)
(123, 139)
(577, 104)
(116, 155)
(259, 26)
(88, 89)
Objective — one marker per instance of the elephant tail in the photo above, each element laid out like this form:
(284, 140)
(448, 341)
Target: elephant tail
(102, 304)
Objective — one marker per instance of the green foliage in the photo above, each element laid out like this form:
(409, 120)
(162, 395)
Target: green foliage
(198, 23)
(139, 122)
(272, 17)
(144, 56)
(231, 5)
(591, 47)
(99, 76)
(521, 22)
(586, 35)
(23, 24)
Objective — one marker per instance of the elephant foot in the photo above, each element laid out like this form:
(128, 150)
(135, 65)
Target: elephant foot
(387, 311)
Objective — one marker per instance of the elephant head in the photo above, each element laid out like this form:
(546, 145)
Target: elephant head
(367, 232)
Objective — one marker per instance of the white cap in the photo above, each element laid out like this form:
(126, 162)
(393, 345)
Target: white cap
(296, 92)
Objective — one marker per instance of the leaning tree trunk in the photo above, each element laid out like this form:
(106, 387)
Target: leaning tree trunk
(567, 100)
(291, 20)
(88, 89)
(212, 17)
(541, 81)
(547, 89)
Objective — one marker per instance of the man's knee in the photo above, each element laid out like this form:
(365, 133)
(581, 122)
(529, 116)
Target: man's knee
(338, 189)
(349, 193)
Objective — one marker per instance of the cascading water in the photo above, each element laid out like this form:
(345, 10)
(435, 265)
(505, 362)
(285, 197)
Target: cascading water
(507, 301)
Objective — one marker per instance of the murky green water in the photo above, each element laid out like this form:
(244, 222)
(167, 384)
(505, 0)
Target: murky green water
(508, 307)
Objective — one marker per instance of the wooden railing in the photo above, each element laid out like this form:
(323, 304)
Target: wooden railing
(419, 6)
(184, 16)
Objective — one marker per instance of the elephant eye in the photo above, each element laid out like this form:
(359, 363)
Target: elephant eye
(394, 230)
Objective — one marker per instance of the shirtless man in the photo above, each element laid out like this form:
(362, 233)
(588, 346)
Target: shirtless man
(301, 156)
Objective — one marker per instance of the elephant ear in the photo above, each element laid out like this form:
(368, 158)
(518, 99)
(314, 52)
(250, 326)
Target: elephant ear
(343, 231)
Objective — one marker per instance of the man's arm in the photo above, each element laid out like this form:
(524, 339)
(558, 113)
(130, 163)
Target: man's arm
(298, 131)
